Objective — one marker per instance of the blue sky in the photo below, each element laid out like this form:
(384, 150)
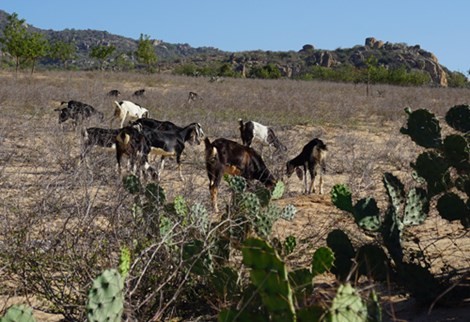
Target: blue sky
(440, 27)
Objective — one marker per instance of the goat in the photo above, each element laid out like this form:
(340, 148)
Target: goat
(312, 158)
(130, 141)
(139, 92)
(168, 126)
(193, 96)
(171, 143)
(126, 109)
(97, 136)
(114, 93)
(77, 111)
(226, 156)
(254, 130)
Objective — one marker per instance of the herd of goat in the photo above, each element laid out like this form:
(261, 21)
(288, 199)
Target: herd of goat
(143, 138)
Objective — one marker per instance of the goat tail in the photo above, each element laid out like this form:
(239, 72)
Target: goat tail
(123, 138)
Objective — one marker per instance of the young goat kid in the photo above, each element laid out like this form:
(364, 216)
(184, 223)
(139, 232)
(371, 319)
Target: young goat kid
(312, 158)
(226, 156)
(254, 130)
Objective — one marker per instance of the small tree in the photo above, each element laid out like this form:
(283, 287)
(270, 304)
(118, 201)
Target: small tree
(62, 51)
(146, 53)
(35, 47)
(13, 40)
(101, 53)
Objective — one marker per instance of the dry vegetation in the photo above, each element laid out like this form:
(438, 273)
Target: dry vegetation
(61, 223)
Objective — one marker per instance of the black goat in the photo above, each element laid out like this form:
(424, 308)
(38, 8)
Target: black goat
(171, 143)
(114, 93)
(226, 156)
(97, 136)
(312, 158)
(254, 130)
(168, 126)
(139, 92)
(77, 111)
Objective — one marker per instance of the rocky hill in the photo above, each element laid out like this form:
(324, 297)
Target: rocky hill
(291, 63)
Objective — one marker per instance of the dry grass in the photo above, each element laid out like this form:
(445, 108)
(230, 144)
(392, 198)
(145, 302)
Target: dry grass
(46, 197)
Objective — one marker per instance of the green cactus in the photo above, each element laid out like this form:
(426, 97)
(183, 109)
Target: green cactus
(434, 169)
(395, 191)
(180, 206)
(416, 208)
(367, 214)
(289, 244)
(224, 282)
(18, 313)
(124, 262)
(269, 274)
(374, 310)
(452, 207)
(344, 252)
(106, 297)
(288, 212)
(278, 190)
(197, 257)
(155, 194)
(457, 150)
(423, 128)
(347, 306)
(236, 183)
(458, 117)
(322, 260)
(341, 197)
(132, 184)
(373, 262)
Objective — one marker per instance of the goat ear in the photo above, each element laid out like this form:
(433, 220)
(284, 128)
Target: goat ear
(299, 172)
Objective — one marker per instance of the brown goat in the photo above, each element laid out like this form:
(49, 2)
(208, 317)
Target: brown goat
(229, 157)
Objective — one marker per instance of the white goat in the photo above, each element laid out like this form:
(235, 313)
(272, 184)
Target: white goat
(126, 109)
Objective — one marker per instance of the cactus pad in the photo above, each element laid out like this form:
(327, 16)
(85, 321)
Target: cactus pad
(367, 214)
(18, 313)
(423, 128)
(458, 117)
(341, 197)
(347, 305)
(106, 297)
(322, 260)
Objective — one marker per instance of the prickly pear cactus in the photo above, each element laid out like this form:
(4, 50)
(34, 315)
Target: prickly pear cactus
(18, 313)
(347, 306)
(236, 183)
(322, 260)
(452, 207)
(269, 274)
(341, 245)
(341, 197)
(367, 214)
(433, 167)
(416, 208)
(124, 262)
(155, 193)
(106, 297)
(278, 190)
(423, 128)
(180, 206)
(288, 212)
(132, 184)
(289, 244)
(458, 117)
(197, 257)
